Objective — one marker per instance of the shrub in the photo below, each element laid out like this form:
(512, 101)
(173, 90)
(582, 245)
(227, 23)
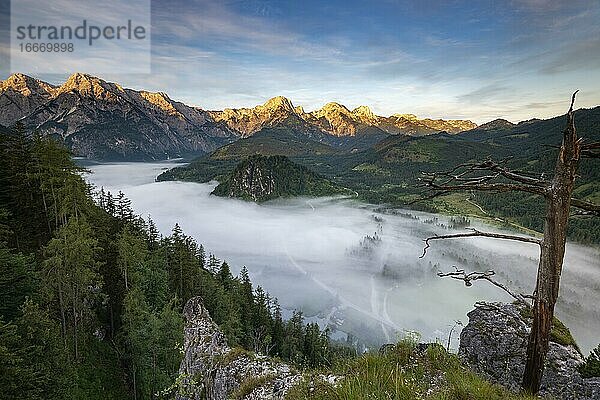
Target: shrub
(591, 367)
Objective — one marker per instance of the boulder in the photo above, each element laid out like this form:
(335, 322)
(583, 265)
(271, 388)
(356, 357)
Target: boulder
(494, 344)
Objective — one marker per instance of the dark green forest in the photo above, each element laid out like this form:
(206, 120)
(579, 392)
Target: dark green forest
(263, 178)
(92, 294)
(387, 172)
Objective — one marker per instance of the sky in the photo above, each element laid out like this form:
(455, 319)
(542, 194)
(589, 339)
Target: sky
(479, 60)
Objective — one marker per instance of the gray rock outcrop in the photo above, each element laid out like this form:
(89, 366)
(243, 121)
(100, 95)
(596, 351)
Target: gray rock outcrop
(494, 344)
(212, 370)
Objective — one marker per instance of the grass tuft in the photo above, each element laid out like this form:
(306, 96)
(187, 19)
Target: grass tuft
(405, 372)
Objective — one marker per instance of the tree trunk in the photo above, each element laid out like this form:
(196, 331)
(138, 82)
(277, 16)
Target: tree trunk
(558, 203)
(63, 319)
(134, 382)
(75, 334)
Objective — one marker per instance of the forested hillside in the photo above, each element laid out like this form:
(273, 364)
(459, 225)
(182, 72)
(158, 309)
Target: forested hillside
(388, 171)
(91, 294)
(260, 178)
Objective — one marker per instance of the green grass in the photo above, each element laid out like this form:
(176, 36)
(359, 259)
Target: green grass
(234, 354)
(559, 334)
(249, 384)
(404, 374)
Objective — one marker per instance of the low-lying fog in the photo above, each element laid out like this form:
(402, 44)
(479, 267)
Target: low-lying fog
(312, 255)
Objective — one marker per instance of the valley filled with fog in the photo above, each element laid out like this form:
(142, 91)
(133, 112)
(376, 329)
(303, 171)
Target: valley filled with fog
(352, 267)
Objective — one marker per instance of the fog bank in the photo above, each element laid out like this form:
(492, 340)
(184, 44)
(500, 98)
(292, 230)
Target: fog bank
(313, 254)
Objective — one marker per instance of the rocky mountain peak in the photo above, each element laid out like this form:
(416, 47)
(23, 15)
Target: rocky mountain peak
(160, 100)
(89, 85)
(338, 120)
(279, 103)
(20, 95)
(27, 86)
(365, 114)
(409, 117)
(332, 106)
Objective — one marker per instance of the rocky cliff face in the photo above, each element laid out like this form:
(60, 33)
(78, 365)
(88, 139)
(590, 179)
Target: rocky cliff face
(211, 370)
(494, 344)
(20, 95)
(260, 178)
(333, 118)
(102, 120)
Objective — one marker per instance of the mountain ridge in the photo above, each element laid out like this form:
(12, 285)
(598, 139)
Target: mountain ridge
(102, 120)
(333, 118)
(105, 121)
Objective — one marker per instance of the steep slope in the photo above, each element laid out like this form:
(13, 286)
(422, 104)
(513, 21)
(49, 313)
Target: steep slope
(20, 95)
(272, 141)
(102, 120)
(333, 119)
(260, 178)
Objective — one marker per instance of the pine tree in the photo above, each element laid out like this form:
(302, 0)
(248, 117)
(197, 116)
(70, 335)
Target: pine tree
(124, 210)
(71, 278)
(278, 330)
(132, 254)
(17, 281)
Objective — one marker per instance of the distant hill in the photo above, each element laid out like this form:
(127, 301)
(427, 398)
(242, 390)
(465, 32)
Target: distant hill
(494, 125)
(261, 178)
(272, 141)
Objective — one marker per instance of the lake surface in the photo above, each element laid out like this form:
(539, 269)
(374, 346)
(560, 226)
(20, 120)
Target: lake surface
(313, 255)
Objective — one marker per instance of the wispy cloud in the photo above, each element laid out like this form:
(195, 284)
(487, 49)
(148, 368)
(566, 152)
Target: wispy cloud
(460, 59)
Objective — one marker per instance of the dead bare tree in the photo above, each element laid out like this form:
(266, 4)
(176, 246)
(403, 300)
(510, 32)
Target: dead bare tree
(468, 278)
(490, 176)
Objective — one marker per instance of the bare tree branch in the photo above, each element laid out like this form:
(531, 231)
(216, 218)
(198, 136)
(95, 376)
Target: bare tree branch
(460, 274)
(476, 233)
(471, 176)
(590, 150)
(590, 208)
(490, 187)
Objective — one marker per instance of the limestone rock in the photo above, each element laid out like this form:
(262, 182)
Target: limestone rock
(494, 343)
(102, 120)
(211, 370)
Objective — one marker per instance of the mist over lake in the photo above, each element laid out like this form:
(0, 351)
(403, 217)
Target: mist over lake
(352, 267)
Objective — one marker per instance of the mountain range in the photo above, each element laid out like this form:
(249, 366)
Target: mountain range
(104, 121)
(380, 158)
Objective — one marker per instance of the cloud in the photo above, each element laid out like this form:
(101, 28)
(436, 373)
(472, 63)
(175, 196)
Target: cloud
(442, 59)
(213, 25)
(483, 94)
(583, 55)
